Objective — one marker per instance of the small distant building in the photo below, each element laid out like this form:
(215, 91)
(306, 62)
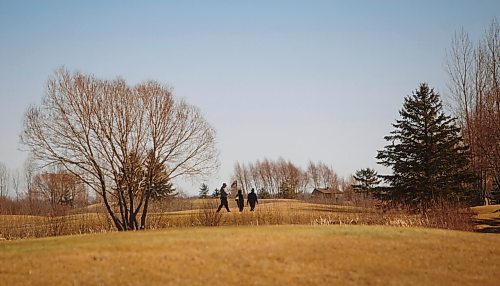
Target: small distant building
(327, 193)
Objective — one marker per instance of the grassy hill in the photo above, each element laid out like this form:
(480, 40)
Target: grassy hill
(487, 218)
(249, 255)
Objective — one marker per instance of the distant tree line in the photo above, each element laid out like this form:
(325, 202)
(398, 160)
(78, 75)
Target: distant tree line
(284, 179)
(37, 191)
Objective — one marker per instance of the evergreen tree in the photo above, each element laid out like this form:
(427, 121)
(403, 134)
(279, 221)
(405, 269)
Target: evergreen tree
(162, 190)
(426, 154)
(160, 186)
(203, 191)
(216, 193)
(367, 179)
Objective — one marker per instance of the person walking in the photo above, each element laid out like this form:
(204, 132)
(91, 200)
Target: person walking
(223, 199)
(252, 199)
(240, 201)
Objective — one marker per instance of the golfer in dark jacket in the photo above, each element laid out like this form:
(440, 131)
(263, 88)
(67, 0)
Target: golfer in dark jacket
(240, 201)
(223, 199)
(252, 199)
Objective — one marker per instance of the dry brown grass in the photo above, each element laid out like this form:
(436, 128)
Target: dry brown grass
(267, 255)
(487, 218)
(189, 213)
(23, 226)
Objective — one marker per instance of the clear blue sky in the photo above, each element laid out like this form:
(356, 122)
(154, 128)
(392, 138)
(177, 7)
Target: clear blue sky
(302, 80)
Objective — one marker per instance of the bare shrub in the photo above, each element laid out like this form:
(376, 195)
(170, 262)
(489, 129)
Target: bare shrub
(207, 215)
(443, 215)
(449, 216)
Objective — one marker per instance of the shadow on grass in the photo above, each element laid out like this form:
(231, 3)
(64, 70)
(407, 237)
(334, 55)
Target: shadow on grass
(488, 225)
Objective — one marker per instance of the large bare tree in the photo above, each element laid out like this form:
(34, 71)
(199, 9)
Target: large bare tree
(122, 141)
(474, 72)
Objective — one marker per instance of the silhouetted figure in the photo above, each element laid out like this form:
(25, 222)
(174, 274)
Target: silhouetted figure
(240, 201)
(252, 199)
(223, 199)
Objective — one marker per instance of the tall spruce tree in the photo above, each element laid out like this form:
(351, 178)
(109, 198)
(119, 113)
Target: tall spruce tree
(426, 154)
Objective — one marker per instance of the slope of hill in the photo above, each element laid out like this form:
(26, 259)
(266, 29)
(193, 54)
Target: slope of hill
(487, 218)
(264, 255)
